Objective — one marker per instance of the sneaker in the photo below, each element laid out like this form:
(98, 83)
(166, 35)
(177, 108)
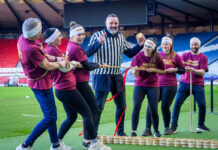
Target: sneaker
(146, 132)
(121, 134)
(202, 128)
(157, 134)
(65, 147)
(99, 146)
(21, 148)
(86, 145)
(61, 147)
(167, 131)
(133, 134)
(174, 129)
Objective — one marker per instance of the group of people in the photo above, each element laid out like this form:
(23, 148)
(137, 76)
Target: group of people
(155, 76)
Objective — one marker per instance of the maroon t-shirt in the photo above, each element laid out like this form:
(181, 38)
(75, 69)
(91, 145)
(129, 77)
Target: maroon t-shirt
(31, 56)
(146, 79)
(75, 52)
(169, 79)
(62, 81)
(196, 61)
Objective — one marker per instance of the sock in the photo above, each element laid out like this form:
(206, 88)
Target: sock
(24, 145)
(55, 146)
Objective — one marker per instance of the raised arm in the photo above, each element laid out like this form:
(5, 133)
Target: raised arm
(95, 43)
(130, 52)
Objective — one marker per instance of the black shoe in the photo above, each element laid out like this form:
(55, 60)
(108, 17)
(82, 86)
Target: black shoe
(167, 131)
(202, 128)
(86, 145)
(174, 129)
(133, 134)
(121, 134)
(146, 132)
(157, 134)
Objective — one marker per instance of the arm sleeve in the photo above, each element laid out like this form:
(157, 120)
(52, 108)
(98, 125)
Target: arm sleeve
(89, 65)
(128, 51)
(160, 64)
(180, 65)
(204, 63)
(180, 70)
(93, 46)
(132, 51)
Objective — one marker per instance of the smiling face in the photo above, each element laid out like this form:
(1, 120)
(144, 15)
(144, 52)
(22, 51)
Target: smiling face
(112, 24)
(148, 50)
(166, 47)
(194, 47)
(78, 38)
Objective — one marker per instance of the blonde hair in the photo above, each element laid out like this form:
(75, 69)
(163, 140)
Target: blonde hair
(73, 25)
(172, 52)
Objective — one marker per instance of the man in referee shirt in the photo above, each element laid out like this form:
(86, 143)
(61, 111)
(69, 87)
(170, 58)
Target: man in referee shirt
(107, 46)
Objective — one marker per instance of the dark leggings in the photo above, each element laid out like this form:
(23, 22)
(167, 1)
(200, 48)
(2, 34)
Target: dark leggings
(138, 97)
(167, 94)
(74, 103)
(87, 93)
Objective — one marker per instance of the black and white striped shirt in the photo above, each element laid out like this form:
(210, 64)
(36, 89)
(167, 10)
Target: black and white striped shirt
(110, 52)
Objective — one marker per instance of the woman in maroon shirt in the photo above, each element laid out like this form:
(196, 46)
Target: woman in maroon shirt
(146, 83)
(76, 52)
(66, 92)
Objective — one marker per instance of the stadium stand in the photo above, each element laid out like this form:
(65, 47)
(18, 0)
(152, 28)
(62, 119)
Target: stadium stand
(8, 55)
(181, 41)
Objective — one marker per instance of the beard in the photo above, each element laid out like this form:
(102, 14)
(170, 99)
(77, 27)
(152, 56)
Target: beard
(113, 31)
(195, 50)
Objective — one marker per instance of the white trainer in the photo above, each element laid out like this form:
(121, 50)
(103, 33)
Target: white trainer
(65, 147)
(61, 147)
(20, 148)
(99, 146)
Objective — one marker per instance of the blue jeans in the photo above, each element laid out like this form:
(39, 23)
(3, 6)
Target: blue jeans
(138, 97)
(167, 94)
(119, 101)
(182, 93)
(47, 104)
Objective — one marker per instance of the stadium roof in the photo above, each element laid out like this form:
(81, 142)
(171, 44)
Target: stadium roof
(197, 12)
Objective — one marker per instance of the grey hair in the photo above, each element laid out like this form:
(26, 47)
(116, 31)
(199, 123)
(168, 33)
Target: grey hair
(111, 15)
(30, 23)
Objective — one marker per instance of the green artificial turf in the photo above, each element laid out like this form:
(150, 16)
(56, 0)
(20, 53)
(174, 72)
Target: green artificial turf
(18, 116)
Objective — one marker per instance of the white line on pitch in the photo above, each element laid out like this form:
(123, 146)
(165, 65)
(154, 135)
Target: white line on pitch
(28, 115)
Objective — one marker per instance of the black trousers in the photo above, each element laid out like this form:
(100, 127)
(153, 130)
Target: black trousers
(74, 103)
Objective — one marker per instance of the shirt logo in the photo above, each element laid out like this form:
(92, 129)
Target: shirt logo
(191, 63)
(147, 65)
(167, 62)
